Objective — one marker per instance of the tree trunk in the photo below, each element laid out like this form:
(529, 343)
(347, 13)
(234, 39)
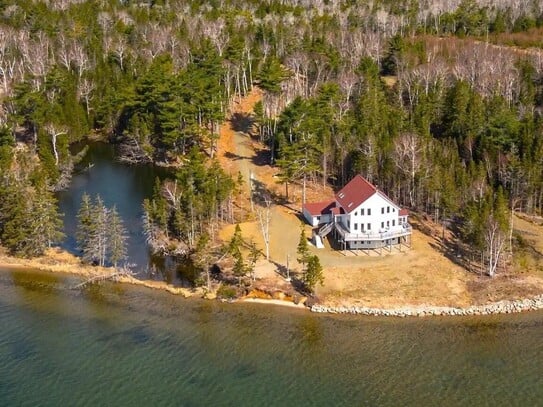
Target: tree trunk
(54, 142)
(303, 188)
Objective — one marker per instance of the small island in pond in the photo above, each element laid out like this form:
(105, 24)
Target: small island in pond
(391, 167)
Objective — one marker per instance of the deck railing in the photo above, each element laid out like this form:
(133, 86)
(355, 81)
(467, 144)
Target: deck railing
(390, 234)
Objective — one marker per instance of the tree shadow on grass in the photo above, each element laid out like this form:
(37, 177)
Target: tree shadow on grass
(262, 157)
(235, 157)
(243, 123)
(457, 254)
(295, 281)
(263, 196)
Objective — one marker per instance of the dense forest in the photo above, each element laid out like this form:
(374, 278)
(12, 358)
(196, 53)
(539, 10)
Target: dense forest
(421, 97)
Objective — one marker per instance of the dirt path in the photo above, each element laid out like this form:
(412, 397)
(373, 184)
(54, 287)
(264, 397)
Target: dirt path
(238, 152)
(235, 150)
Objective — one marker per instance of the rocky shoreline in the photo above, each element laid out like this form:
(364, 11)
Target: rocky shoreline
(500, 307)
(60, 261)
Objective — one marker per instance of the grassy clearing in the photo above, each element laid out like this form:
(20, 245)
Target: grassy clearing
(420, 275)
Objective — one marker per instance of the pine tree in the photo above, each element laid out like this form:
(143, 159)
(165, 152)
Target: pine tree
(99, 232)
(16, 229)
(254, 255)
(314, 274)
(92, 230)
(84, 225)
(6, 136)
(101, 235)
(234, 246)
(239, 269)
(46, 222)
(202, 256)
(116, 238)
(160, 207)
(29, 220)
(303, 248)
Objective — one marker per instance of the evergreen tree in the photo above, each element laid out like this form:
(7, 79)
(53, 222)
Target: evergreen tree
(254, 255)
(16, 228)
(314, 274)
(117, 237)
(29, 219)
(236, 242)
(92, 233)
(6, 137)
(239, 269)
(101, 235)
(99, 232)
(303, 249)
(84, 226)
(272, 75)
(202, 257)
(46, 222)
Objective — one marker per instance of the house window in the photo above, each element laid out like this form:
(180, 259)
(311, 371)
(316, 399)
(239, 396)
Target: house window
(356, 226)
(356, 214)
(388, 223)
(349, 224)
(382, 225)
(382, 210)
(362, 212)
(393, 222)
(369, 211)
(393, 209)
(369, 226)
(388, 209)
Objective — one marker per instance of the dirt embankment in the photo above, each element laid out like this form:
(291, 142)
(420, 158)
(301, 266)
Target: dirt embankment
(56, 260)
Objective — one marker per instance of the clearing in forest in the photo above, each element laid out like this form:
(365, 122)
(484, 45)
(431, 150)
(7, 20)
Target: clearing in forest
(421, 275)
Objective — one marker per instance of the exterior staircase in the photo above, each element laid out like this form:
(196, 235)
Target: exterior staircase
(325, 229)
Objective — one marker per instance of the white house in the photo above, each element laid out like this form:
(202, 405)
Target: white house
(361, 217)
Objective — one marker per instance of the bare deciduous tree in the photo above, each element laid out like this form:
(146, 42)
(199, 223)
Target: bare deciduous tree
(85, 89)
(495, 240)
(264, 217)
(54, 131)
(409, 159)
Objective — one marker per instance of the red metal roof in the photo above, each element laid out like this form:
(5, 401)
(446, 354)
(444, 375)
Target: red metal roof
(357, 191)
(319, 208)
(403, 212)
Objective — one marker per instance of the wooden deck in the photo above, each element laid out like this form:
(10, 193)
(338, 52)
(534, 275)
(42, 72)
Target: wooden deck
(371, 237)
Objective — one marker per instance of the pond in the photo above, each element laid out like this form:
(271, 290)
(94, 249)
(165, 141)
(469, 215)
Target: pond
(125, 186)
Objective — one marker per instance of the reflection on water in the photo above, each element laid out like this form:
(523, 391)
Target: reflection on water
(120, 345)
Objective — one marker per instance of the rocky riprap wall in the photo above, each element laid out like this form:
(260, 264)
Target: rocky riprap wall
(501, 307)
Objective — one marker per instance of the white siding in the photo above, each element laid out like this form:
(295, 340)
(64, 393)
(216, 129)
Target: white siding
(316, 220)
(379, 221)
(312, 220)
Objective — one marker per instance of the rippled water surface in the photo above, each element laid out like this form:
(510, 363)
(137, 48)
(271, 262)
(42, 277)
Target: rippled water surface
(119, 345)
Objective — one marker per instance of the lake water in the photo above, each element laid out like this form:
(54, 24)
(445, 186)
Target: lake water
(120, 345)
